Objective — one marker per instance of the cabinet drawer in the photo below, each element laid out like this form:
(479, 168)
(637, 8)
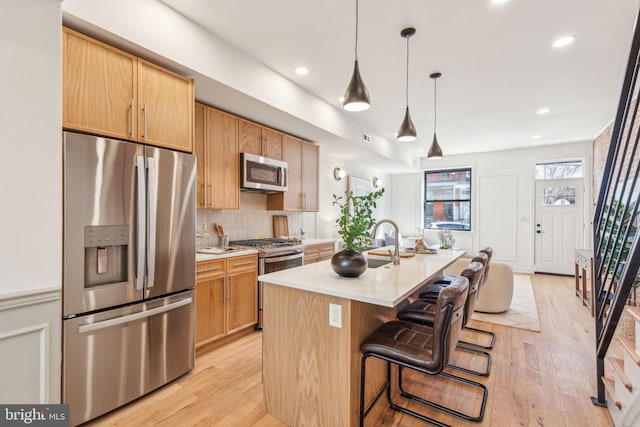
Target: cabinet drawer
(206, 269)
(245, 262)
(326, 249)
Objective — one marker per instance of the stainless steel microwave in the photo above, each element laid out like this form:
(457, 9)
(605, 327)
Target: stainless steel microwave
(262, 174)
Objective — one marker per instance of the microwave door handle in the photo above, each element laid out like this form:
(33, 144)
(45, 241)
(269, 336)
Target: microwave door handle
(153, 203)
(140, 215)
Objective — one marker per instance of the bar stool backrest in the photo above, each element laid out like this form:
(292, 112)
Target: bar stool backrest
(483, 259)
(450, 300)
(489, 251)
(473, 273)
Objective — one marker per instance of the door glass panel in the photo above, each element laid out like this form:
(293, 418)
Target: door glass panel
(559, 196)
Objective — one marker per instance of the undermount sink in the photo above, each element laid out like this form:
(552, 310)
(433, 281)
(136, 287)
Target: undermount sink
(375, 262)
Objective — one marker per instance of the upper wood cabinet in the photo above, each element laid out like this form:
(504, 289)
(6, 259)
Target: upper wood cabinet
(99, 87)
(260, 140)
(302, 188)
(109, 92)
(216, 148)
(165, 108)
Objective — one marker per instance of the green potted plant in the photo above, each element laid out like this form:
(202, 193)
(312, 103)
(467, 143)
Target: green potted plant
(354, 226)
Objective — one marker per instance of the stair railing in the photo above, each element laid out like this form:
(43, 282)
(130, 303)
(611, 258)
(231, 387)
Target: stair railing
(616, 247)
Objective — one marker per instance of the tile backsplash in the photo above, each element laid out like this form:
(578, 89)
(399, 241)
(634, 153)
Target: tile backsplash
(253, 220)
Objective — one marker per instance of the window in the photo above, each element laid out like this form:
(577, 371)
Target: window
(559, 170)
(447, 202)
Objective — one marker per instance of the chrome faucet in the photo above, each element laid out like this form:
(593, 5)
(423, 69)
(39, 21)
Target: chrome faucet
(395, 257)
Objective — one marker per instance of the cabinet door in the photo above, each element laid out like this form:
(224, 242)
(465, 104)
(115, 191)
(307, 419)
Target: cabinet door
(210, 295)
(250, 137)
(98, 87)
(309, 177)
(326, 251)
(273, 141)
(165, 111)
(199, 152)
(292, 155)
(222, 159)
(311, 254)
(242, 300)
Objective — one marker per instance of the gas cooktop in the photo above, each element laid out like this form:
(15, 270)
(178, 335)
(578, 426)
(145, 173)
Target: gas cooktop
(266, 243)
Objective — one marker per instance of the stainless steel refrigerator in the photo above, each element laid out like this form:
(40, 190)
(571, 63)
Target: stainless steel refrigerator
(129, 271)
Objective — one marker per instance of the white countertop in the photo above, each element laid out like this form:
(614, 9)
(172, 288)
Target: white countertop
(387, 285)
(208, 257)
(317, 241)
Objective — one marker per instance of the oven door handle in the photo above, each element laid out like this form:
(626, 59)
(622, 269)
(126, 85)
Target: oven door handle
(269, 260)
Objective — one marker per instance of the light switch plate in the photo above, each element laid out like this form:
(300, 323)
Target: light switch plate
(335, 315)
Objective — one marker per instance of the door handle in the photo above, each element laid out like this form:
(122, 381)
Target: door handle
(89, 327)
(141, 215)
(152, 194)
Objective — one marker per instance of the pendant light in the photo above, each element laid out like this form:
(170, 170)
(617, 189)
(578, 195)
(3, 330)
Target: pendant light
(435, 152)
(407, 131)
(356, 98)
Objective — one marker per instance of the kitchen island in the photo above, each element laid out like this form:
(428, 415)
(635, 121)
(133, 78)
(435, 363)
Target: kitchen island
(314, 322)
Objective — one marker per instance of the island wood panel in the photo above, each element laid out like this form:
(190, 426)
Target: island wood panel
(320, 369)
(308, 383)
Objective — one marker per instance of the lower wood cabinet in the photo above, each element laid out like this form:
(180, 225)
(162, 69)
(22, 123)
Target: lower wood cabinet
(319, 252)
(226, 296)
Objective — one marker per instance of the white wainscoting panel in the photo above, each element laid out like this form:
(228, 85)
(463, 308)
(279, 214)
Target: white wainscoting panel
(30, 345)
(497, 219)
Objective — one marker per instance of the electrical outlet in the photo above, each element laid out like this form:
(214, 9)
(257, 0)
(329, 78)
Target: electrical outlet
(366, 138)
(335, 315)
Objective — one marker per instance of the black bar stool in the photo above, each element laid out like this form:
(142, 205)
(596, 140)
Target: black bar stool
(421, 348)
(422, 311)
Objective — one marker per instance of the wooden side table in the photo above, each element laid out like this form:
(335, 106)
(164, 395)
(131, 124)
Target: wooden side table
(584, 263)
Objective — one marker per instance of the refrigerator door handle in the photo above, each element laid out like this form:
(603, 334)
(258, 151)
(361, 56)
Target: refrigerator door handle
(89, 327)
(153, 204)
(140, 217)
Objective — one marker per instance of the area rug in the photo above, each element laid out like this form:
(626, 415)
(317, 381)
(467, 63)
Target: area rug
(523, 312)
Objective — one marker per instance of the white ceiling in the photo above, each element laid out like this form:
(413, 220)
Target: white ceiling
(497, 62)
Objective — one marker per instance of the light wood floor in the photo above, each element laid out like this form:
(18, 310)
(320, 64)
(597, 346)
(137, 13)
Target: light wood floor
(537, 379)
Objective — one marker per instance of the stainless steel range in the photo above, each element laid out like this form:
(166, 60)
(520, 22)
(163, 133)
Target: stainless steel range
(273, 255)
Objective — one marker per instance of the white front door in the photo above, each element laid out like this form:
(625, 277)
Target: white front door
(559, 225)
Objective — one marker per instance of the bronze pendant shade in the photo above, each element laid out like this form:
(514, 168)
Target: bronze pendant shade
(407, 131)
(356, 98)
(435, 152)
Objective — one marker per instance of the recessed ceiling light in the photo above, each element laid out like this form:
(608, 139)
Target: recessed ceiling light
(421, 150)
(536, 137)
(563, 41)
(499, 1)
(302, 71)
(544, 110)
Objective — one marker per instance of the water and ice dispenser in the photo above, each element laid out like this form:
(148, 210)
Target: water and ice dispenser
(106, 249)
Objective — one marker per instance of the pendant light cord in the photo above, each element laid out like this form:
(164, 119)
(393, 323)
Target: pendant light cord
(356, 30)
(435, 110)
(406, 93)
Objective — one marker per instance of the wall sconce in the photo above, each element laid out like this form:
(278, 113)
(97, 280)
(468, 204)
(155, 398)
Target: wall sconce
(338, 174)
(377, 182)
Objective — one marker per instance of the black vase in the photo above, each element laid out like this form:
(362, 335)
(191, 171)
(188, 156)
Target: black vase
(349, 263)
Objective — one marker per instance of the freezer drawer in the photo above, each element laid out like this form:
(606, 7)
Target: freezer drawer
(116, 356)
